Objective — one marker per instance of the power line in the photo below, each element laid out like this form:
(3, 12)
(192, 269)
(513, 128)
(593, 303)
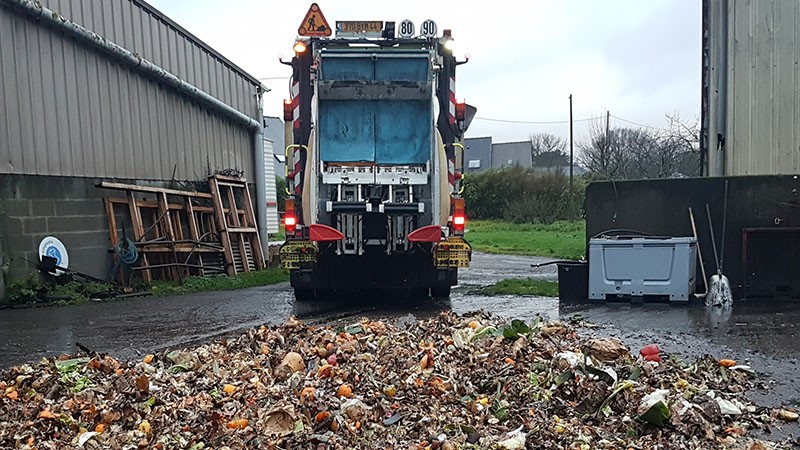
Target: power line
(526, 122)
(635, 123)
(273, 78)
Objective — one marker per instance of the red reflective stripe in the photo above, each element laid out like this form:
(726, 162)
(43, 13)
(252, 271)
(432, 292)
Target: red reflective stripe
(452, 106)
(298, 181)
(451, 174)
(296, 104)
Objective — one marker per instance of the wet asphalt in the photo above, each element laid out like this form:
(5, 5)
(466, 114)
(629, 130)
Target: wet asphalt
(763, 334)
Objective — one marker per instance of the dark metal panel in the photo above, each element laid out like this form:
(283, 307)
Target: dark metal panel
(763, 96)
(660, 207)
(151, 50)
(159, 147)
(52, 123)
(139, 137)
(24, 126)
(182, 68)
(240, 94)
(204, 80)
(763, 116)
(172, 107)
(128, 39)
(72, 118)
(38, 141)
(148, 121)
(122, 24)
(91, 108)
(76, 113)
(138, 18)
(739, 76)
(8, 92)
(104, 11)
(172, 43)
(124, 142)
(111, 97)
(785, 123)
(58, 126)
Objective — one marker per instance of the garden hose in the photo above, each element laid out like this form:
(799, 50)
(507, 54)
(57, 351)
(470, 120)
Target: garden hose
(126, 252)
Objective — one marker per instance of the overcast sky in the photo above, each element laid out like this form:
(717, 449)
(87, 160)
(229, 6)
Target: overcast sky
(639, 59)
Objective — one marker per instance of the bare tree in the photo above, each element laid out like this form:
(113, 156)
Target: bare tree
(630, 153)
(685, 137)
(622, 154)
(548, 150)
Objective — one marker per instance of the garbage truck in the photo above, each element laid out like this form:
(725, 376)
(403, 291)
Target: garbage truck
(374, 159)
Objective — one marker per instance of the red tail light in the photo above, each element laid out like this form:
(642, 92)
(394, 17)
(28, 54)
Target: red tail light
(289, 218)
(459, 217)
(458, 224)
(288, 111)
(461, 109)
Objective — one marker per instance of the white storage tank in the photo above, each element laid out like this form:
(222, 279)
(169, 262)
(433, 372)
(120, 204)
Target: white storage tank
(642, 267)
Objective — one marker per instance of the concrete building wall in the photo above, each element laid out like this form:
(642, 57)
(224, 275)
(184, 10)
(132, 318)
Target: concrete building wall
(71, 111)
(71, 209)
(752, 86)
(508, 154)
(480, 150)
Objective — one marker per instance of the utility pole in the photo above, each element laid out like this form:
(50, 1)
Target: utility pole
(570, 144)
(604, 152)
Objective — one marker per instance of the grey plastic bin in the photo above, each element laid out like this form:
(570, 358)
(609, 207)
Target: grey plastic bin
(642, 267)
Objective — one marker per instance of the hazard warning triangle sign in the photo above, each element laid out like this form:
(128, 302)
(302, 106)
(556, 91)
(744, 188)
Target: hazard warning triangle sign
(314, 24)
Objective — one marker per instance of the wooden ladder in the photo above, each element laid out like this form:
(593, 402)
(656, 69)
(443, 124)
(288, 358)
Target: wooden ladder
(237, 224)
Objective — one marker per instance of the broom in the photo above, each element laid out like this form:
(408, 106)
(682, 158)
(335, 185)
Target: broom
(719, 292)
(700, 255)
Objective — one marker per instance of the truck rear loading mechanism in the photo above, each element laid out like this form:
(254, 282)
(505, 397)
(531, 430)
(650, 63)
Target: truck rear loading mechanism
(374, 132)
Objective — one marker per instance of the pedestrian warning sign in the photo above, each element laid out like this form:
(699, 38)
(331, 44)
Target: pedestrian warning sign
(314, 23)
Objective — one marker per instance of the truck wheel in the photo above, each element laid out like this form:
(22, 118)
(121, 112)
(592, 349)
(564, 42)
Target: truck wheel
(440, 291)
(304, 295)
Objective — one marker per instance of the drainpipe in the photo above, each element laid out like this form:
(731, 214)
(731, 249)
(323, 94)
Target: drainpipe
(722, 106)
(717, 87)
(158, 74)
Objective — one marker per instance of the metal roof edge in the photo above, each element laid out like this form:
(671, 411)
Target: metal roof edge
(163, 17)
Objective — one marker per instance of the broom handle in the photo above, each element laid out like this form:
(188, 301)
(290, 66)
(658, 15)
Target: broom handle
(699, 252)
(724, 220)
(713, 240)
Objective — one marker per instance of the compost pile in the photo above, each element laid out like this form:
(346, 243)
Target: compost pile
(449, 382)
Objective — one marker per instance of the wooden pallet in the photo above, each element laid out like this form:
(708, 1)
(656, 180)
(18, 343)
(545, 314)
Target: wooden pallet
(237, 224)
(178, 233)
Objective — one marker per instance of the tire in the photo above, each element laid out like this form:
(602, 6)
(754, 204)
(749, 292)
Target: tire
(304, 295)
(440, 291)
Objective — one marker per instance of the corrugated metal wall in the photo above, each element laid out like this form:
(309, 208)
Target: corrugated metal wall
(763, 96)
(271, 188)
(68, 110)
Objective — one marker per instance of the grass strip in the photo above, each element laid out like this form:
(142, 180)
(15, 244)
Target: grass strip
(564, 240)
(221, 282)
(527, 286)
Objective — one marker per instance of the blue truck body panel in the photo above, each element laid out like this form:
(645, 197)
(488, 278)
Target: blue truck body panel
(380, 131)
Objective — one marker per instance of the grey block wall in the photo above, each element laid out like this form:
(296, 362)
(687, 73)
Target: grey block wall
(71, 209)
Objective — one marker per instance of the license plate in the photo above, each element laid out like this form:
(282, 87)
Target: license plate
(360, 27)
